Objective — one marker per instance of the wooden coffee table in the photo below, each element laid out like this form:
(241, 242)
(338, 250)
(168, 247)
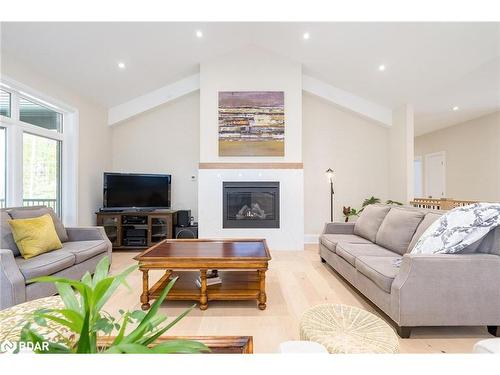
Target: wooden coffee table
(242, 264)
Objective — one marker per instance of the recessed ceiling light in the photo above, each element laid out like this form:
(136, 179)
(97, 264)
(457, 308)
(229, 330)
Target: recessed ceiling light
(199, 33)
(381, 68)
(121, 65)
(455, 108)
(306, 36)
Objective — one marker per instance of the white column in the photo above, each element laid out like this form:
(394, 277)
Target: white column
(401, 154)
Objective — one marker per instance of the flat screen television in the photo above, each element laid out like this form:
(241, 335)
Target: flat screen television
(138, 191)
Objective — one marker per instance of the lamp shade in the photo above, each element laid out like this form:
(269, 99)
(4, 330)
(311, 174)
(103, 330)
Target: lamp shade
(329, 174)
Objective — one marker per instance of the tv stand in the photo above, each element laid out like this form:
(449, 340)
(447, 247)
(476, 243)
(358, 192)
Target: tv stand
(137, 229)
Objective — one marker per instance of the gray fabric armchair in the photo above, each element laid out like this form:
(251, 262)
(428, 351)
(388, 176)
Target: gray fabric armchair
(425, 290)
(82, 249)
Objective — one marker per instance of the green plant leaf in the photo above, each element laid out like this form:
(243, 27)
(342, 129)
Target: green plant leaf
(129, 349)
(371, 200)
(28, 335)
(84, 345)
(87, 279)
(180, 347)
(67, 323)
(100, 291)
(118, 339)
(68, 296)
(393, 202)
(137, 314)
(118, 279)
(141, 328)
(78, 285)
(154, 337)
(40, 320)
(101, 271)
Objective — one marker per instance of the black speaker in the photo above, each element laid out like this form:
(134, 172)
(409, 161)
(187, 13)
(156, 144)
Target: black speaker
(183, 218)
(186, 232)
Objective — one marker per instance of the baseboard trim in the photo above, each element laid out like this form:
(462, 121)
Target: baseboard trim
(311, 238)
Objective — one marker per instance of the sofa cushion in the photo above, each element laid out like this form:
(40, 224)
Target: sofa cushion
(428, 219)
(31, 212)
(351, 251)
(45, 264)
(83, 250)
(6, 238)
(369, 221)
(330, 240)
(380, 270)
(398, 228)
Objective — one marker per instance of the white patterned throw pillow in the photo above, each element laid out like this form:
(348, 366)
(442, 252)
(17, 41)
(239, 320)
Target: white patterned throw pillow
(458, 229)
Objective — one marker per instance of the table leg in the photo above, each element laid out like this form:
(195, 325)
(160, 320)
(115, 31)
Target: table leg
(203, 291)
(262, 294)
(145, 290)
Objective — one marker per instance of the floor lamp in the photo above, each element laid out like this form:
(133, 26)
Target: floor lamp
(329, 174)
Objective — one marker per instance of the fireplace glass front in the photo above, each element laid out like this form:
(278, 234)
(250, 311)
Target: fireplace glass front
(251, 204)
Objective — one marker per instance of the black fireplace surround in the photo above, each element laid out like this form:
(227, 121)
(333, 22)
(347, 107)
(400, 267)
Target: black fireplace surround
(253, 204)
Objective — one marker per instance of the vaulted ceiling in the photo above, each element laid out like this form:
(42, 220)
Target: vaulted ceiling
(434, 66)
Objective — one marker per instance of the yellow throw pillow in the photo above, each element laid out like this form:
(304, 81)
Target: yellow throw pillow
(35, 236)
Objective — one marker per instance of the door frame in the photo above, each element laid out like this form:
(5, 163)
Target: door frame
(422, 176)
(426, 180)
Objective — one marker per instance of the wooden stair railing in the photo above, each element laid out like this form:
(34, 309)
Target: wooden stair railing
(439, 204)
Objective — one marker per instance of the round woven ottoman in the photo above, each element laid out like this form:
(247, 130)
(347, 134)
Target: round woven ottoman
(13, 319)
(347, 329)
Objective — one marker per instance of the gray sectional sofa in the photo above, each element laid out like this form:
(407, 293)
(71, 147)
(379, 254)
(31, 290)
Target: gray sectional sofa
(425, 290)
(82, 249)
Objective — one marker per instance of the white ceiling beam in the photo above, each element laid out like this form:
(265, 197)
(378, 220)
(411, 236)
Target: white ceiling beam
(153, 99)
(373, 111)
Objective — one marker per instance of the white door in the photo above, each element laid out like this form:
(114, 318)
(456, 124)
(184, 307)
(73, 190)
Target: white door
(435, 175)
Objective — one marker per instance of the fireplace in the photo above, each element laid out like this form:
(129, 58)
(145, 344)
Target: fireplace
(251, 204)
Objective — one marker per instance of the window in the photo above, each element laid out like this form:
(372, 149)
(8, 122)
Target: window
(2, 168)
(41, 172)
(4, 103)
(39, 115)
(38, 159)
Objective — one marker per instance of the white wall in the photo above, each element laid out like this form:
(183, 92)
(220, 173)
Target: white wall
(354, 147)
(163, 140)
(472, 157)
(290, 234)
(94, 146)
(250, 69)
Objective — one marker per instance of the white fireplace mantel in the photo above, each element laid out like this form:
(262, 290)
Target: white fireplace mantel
(290, 234)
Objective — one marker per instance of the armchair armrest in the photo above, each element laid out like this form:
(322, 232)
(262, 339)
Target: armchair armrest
(12, 283)
(447, 289)
(338, 228)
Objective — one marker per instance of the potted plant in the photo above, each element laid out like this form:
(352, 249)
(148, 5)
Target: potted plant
(349, 212)
(84, 317)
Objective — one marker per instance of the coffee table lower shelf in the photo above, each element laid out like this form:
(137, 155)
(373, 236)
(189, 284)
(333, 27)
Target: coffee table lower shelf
(236, 286)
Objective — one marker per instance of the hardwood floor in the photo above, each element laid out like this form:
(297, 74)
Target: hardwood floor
(295, 281)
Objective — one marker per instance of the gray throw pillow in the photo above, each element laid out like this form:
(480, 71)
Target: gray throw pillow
(369, 221)
(398, 228)
(6, 238)
(28, 212)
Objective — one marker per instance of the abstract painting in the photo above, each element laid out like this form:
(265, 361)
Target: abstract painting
(251, 123)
